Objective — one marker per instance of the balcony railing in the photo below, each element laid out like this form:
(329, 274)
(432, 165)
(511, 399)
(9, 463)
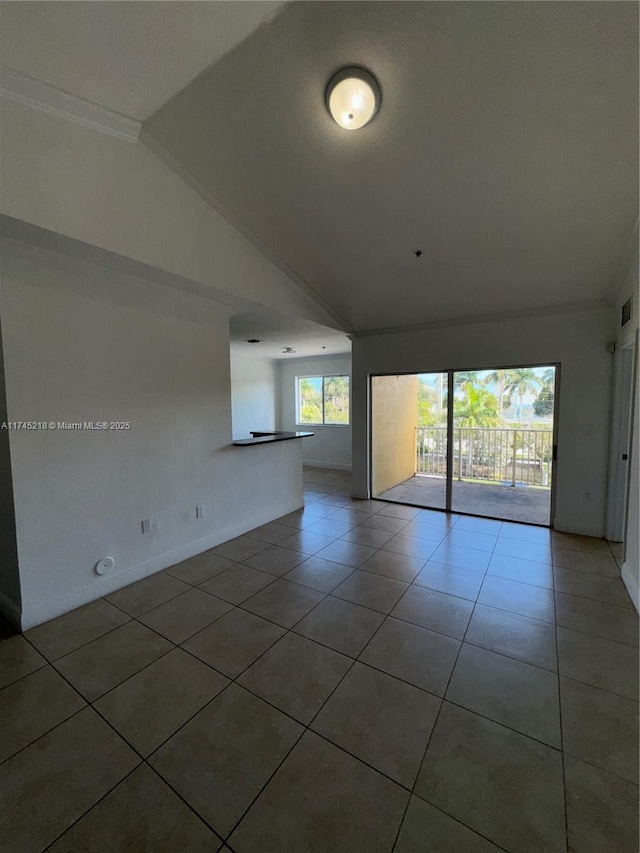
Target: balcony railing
(506, 456)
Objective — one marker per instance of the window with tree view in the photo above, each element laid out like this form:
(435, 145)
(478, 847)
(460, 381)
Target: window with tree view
(323, 400)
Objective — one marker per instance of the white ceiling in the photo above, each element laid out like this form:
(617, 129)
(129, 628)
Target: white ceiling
(128, 56)
(505, 149)
(277, 331)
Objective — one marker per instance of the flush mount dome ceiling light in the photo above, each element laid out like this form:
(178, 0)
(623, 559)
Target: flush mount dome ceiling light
(353, 97)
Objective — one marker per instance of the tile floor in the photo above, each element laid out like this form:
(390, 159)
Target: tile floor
(354, 677)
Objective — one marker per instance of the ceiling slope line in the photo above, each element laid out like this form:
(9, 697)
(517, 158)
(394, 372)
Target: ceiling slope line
(596, 305)
(40, 96)
(171, 162)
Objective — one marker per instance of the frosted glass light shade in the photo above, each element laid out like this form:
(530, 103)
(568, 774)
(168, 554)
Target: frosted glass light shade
(353, 98)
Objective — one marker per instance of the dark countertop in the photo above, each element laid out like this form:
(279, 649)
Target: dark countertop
(269, 437)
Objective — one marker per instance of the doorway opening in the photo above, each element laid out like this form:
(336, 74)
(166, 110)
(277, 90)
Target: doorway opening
(478, 442)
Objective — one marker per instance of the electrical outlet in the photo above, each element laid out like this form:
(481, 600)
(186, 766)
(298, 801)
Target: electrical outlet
(146, 525)
(199, 511)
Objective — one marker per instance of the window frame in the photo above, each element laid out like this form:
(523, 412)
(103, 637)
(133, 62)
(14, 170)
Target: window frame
(323, 377)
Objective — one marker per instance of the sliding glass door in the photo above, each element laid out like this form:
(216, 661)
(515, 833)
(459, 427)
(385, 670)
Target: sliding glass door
(478, 442)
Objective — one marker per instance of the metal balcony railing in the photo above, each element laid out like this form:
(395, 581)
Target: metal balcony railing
(506, 456)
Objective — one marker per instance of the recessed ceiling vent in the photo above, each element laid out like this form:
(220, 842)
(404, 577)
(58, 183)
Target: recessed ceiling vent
(625, 314)
(253, 340)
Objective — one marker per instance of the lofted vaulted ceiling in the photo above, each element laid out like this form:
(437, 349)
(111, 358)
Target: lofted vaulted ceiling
(505, 150)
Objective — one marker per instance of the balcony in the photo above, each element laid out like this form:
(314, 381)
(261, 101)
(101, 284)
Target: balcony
(497, 472)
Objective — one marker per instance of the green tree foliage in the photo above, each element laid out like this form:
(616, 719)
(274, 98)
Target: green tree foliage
(429, 412)
(477, 407)
(522, 380)
(336, 399)
(543, 404)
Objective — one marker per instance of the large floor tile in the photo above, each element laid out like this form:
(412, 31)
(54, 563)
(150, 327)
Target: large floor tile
(351, 514)
(67, 633)
(380, 720)
(406, 513)
(271, 533)
(528, 640)
(601, 663)
(297, 520)
(487, 526)
(17, 659)
(399, 567)
(385, 522)
(450, 580)
(602, 810)
(470, 539)
(221, 759)
(240, 548)
(319, 574)
(342, 626)
(522, 598)
(296, 675)
(305, 542)
(346, 553)
(523, 571)
(185, 615)
(148, 593)
(502, 784)
(143, 814)
(150, 706)
(237, 583)
(411, 546)
(234, 641)
(330, 526)
(604, 590)
(198, 569)
(50, 784)
(594, 564)
(413, 654)
(460, 557)
(369, 590)
(426, 829)
(575, 542)
(510, 692)
(437, 611)
(534, 551)
(283, 602)
(600, 728)
(275, 560)
(102, 664)
(32, 706)
(419, 529)
(321, 800)
(525, 533)
(367, 536)
(619, 624)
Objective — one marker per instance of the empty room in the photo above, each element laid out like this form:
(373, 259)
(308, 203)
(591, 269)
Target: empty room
(319, 407)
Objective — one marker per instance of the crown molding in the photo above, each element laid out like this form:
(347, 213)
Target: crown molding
(17, 87)
(572, 308)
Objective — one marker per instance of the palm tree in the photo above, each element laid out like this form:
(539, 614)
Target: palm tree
(549, 376)
(499, 378)
(523, 380)
(464, 377)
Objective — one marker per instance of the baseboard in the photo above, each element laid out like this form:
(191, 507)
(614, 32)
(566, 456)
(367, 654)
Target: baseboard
(315, 463)
(10, 610)
(630, 580)
(108, 584)
(580, 530)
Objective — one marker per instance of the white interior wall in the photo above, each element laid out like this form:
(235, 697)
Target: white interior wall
(628, 337)
(119, 197)
(9, 577)
(84, 344)
(577, 341)
(330, 446)
(254, 393)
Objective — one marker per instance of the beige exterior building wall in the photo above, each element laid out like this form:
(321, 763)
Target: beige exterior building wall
(394, 420)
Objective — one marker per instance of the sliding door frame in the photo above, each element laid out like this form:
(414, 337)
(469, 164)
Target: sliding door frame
(450, 373)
